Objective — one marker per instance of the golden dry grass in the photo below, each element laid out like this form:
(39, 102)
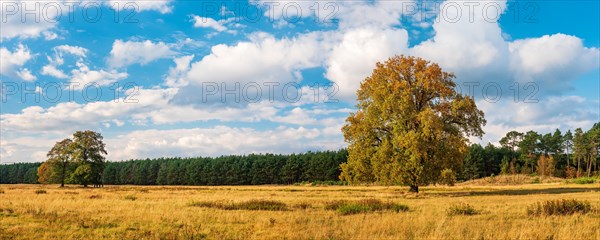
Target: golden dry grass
(133, 212)
(512, 180)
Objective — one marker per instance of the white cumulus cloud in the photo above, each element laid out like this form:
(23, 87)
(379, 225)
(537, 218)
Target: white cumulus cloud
(51, 70)
(354, 58)
(214, 141)
(162, 6)
(554, 60)
(13, 60)
(125, 53)
(83, 76)
(26, 75)
(262, 59)
(73, 50)
(40, 19)
(205, 22)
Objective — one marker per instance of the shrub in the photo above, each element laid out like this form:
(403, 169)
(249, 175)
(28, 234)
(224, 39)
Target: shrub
(448, 177)
(559, 207)
(374, 204)
(462, 209)
(131, 197)
(536, 180)
(546, 165)
(399, 208)
(253, 205)
(303, 183)
(40, 191)
(268, 205)
(492, 179)
(329, 183)
(321, 183)
(363, 206)
(583, 180)
(353, 208)
(571, 172)
(335, 205)
(303, 206)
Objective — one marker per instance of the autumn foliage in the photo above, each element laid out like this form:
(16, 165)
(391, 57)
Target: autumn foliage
(410, 124)
(80, 160)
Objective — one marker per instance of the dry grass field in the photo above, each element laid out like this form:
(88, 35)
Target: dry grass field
(156, 212)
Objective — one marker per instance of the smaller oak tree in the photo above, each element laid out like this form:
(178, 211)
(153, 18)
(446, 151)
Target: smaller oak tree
(79, 160)
(59, 163)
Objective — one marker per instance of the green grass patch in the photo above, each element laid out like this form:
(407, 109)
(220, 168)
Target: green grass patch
(131, 197)
(252, 205)
(329, 183)
(353, 208)
(559, 207)
(322, 183)
(364, 206)
(462, 209)
(583, 180)
(335, 205)
(268, 205)
(399, 208)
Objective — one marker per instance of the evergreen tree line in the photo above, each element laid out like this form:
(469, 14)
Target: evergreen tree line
(556, 154)
(254, 169)
(251, 169)
(19, 173)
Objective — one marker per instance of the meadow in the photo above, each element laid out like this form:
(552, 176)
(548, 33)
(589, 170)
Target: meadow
(467, 211)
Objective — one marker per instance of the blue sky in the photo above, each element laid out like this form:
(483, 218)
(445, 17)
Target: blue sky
(169, 72)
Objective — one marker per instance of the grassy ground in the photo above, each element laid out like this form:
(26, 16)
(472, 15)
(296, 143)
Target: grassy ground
(309, 212)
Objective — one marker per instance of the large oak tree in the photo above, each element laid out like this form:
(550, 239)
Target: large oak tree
(409, 126)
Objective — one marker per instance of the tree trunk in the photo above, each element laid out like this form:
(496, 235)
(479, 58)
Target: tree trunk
(578, 166)
(62, 176)
(589, 168)
(414, 189)
(532, 167)
(513, 170)
(568, 156)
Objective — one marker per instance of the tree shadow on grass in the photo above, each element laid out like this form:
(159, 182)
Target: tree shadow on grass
(514, 192)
